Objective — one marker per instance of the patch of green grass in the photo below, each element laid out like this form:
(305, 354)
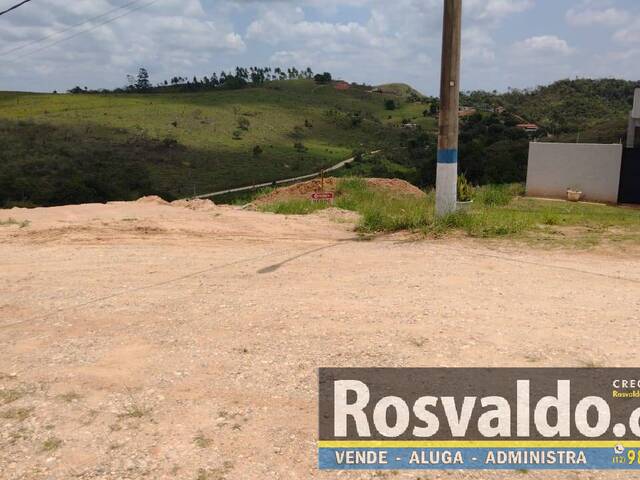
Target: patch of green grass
(497, 211)
(294, 207)
(219, 473)
(70, 397)
(10, 395)
(19, 414)
(51, 444)
(13, 221)
(497, 195)
(202, 441)
(134, 411)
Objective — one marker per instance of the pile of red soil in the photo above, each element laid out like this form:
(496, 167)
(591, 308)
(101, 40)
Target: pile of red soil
(305, 189)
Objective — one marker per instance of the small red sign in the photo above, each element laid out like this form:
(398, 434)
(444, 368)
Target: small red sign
(322, 196)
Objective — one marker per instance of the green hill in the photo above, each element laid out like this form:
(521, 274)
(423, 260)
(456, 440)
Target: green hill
(597, 110)
(64, 148)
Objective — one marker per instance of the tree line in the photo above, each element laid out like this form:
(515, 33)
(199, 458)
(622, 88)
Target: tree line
(240, 77)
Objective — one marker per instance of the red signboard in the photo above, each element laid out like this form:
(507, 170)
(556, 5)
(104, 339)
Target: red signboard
(322, 196)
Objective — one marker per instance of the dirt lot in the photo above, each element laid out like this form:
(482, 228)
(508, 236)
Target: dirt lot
(144, 340)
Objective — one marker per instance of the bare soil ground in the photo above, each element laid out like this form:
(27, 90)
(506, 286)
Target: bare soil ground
(147, 340)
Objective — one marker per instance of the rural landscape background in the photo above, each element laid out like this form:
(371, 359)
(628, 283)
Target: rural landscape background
(186, 137)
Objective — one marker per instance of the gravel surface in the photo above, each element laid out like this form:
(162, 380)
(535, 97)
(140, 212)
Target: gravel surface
(149, 340)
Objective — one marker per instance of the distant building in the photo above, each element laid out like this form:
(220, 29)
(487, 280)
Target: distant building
(528, 127)
(342, 86)
(466, 111)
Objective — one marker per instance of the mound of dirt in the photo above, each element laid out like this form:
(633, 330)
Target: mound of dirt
(198, 204)
(395, 185)
(305, 189)
(152, 199)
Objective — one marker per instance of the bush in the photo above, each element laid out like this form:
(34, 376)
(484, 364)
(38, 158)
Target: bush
(389, 104)
(465, 190)
(244, 123)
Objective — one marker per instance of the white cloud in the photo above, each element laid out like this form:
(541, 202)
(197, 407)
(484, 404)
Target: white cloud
(629, 35)
(360, 40)
(542, 45)
(495, 10)
(165, 36)
(587, 17)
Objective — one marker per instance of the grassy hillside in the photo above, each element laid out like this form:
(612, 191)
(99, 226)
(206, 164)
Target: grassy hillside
(57, 149)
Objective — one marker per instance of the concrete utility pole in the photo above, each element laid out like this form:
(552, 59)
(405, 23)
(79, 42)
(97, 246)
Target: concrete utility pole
(447, 174)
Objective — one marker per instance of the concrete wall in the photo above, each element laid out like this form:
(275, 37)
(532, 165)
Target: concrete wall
(590, 168)
(635, 113)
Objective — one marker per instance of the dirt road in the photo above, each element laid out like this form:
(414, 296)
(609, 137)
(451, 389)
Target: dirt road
(142, 340)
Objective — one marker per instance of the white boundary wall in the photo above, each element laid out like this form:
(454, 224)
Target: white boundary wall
(590, 168)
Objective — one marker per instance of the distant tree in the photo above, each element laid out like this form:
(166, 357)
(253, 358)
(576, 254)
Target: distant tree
(322, 78)
(142, 81)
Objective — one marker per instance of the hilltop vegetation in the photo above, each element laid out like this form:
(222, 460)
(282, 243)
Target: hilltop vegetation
(597, 110)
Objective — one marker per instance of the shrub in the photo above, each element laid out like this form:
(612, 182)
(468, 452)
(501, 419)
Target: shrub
(244, 123)
(465, 190)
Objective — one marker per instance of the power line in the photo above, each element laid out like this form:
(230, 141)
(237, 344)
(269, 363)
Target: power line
(14, 7)
(113, 19)
(60, 32)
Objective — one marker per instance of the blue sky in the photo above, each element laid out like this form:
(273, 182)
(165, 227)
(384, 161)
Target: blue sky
(506, 43)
